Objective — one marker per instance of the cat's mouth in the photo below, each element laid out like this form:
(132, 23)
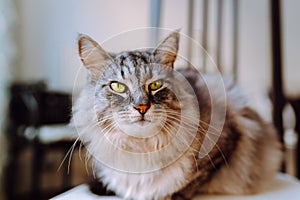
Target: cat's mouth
(141, 126)
(142, 122)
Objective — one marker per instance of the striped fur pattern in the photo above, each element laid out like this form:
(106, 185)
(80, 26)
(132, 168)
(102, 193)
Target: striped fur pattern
(155, 152)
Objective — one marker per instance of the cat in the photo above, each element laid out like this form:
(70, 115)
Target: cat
(155, 132)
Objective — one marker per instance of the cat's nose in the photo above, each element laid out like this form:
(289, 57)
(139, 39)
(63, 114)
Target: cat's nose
(142, 108)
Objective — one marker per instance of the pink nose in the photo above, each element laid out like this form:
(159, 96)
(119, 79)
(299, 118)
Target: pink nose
(142, 108)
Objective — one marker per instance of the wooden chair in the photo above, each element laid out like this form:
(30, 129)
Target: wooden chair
(35, 114)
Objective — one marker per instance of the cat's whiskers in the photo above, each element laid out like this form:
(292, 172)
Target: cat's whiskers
(90, 126)
(104, 132)
(190, 119)
(111, 127)
(71, 150)
(87, 157)
(86, 130)
(104, 119)
(123, 113)
(108, 129)
(182, 138)
(69, 153)
(127, 116)
(167, 125)
(104, 122)
(188, 124)
(205, 133)
(197, 151)
(175, 120)
(80, 151)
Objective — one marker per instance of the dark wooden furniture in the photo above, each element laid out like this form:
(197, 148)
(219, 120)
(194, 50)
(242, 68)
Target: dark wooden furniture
(32, 105)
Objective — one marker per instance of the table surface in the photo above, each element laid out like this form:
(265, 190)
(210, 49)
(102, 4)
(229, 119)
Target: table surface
(281, 188)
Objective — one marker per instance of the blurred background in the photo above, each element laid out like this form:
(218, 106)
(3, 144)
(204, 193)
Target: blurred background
(252, 41)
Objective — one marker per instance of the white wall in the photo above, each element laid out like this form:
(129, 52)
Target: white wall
(291, 36)
(49, 29)
(254, 46)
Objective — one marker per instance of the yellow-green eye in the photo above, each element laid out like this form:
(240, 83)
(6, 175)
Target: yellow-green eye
(156, 85)
(118, 87)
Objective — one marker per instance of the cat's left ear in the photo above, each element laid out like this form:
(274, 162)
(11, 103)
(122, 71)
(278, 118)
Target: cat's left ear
(93, 57)
(166, 52)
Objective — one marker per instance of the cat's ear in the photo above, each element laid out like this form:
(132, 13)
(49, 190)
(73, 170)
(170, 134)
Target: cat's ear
(93, 57)
(166, 52)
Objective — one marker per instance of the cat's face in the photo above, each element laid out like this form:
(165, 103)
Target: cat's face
(135, 91)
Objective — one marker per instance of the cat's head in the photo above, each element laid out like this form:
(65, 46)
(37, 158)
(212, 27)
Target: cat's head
(134, 91)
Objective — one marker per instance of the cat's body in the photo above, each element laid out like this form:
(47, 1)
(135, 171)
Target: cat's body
(131, 111)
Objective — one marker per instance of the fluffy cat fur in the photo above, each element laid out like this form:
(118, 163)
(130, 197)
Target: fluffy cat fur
(137, 164)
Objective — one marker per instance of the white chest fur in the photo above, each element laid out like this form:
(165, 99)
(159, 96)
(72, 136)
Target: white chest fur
(151, 185)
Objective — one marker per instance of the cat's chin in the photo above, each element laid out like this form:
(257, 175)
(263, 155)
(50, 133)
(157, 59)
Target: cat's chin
(142, 123)
(141, 129)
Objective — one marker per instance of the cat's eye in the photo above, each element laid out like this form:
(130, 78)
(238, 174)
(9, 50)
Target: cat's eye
(156, 85)
(118, 87)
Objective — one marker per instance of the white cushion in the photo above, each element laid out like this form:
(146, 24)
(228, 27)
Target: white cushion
(281, 188)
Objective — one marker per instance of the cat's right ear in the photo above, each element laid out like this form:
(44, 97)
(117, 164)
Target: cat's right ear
(166, 52)
(93, 57)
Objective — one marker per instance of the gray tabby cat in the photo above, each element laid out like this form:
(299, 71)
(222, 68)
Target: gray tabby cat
(145, 124)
